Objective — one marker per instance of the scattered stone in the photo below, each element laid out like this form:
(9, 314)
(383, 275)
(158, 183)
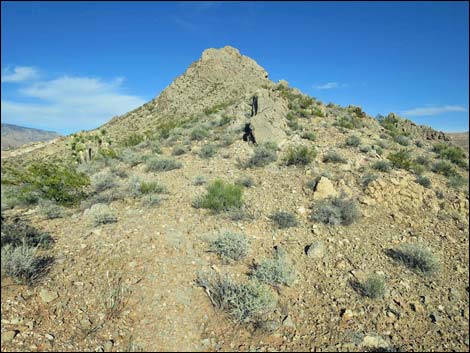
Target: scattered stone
(324, 189)
(269, 325)
(376, 342)
(47, 296)
(316, 250)
(287, 322)
(85, 324)
(8, 336)
(108, 346)
(347, 314)
(49, 337)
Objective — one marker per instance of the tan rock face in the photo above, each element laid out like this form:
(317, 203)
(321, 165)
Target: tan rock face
(324, 189)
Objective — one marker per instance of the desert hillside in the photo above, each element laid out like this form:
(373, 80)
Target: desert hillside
(460, 139)
(14, 136)
(336, 231)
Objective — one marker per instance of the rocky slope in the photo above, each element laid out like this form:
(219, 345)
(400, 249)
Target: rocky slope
(460, 139)
(14, 136)
(151, 257)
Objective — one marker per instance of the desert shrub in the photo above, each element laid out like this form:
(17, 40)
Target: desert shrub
(367, 179)
(178, 150)
(119, 170)
(417, 257)
(155, 147)
(157, 164)
(422, 160)
(244, 302)
(230, 246)
(382, 166)
(294, 124)
(9, 197)
(198, 133)
(263, 155)
(353, 141)
(220, 197)
(400, 159)
(247, 182)
(312, 184)
(48, 180)
(130, 157)
(300, 155)
(224, 120)
(226, 140)
(284, 219)
(50, 209)
(101, 214)
(444, 168)
(373, 287)
(138, 187)
(22, 263)
(132, 140)
(424, 181)
(349, 122)
(419, 144)
(102, 181)
(207, 151)
(402, 140)
(151, 200)
(309, 136)
(333, 157)
(457, 181)
(383, 143)
(336, 211)
(274, 271)
(199, 180)
(365, 149)
(113, 295)
(21, 233)
(454, 154)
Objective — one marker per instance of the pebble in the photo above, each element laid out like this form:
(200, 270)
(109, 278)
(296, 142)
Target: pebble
(49, 337)
(108, 346)
(287, 322)
(47, 296)
(8, 336)
(316, 250)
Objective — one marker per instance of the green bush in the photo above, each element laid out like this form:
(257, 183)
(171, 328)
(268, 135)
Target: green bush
(424, 181)
(284, 219)
(101, 214)
(335, 211)
(198, 134)
(382, 166)
(349, 122)
(102, 181)
(367, 179)
(23, 264)
(207, 151)
(132, 140)
(417, 257)
(51, 181)
(247, 182)
(309, 136)
(244, 302)
(220, 197)
(50, 209)
(422, 160)
(230, 246)
(178, 151)
(402, 140)
(21, 233)
(224, 120)
(457, 182)
(274, 271)
(263, 155)
(300, 155)
(199, 180)
(353, 141)
(444, 168)
(401, 159)
(333, 157)
(373, 287)
(156, 164)
(130, 157)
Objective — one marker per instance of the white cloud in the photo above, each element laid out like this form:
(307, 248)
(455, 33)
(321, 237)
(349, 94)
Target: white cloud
(70, 103)
(330, 85)
(434, 110)
(19, 74)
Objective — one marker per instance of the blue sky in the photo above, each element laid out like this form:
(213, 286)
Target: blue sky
(68, 66)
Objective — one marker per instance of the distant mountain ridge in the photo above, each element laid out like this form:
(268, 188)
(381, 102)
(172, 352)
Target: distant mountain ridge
(14, 136)
(460, 139)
